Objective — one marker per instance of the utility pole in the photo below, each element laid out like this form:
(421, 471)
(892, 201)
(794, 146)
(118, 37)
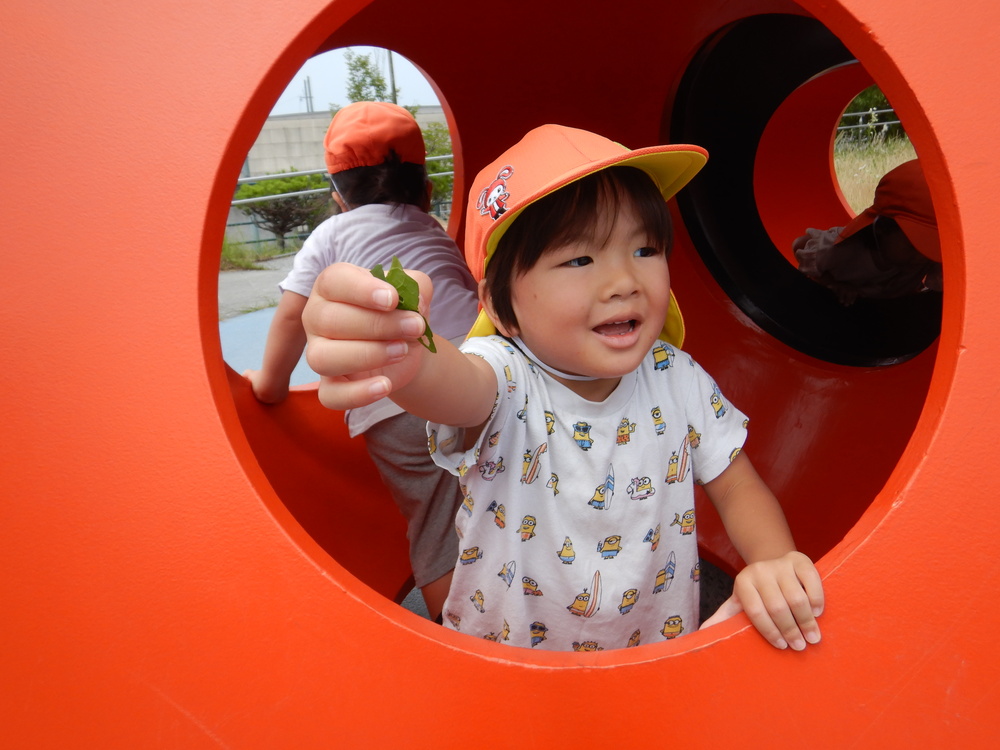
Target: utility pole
(307, 94)
(392, 79)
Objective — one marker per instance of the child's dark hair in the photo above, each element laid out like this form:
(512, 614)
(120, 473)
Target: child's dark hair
(393, 182)
(568, 215)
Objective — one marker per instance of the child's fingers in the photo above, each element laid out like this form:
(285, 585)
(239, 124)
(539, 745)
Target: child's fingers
(353, 359)
(812, 583)
(342, 394)
(729, 608)
(782, 598)
(795, 617)
(763, 618)
(353, 285)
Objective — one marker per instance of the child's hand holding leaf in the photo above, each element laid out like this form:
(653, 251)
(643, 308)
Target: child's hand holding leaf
(409, 295)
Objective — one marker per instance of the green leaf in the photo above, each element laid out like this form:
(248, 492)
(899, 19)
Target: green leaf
(409, 295)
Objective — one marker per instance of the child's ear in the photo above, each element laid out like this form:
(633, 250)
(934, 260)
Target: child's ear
(339, 200)
(428, 194)
(487, 302)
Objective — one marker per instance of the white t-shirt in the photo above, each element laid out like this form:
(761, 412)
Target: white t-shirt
(578, 528)
(373, 234)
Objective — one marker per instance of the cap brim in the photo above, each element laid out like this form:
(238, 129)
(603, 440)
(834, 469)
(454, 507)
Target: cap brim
(859, 222)
(671, 166)
(925, 239)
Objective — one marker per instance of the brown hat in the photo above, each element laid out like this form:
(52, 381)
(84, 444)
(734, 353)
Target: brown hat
(902, 195)
(363, 133)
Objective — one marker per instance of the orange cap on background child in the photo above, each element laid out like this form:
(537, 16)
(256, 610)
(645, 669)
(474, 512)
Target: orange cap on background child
(546, 159)
(902, 195)
(363, 133)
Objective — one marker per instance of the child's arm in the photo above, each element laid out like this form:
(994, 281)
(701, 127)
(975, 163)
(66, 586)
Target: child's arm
(365, 349)
(779, 589)
(286, 339)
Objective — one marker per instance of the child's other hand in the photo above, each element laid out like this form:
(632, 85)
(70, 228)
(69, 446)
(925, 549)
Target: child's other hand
(782, 597)
(358, 342)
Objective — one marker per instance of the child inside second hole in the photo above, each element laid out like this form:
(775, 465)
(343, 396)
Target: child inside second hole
(577, 434)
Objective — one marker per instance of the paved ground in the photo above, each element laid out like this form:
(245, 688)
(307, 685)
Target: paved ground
(243, 291)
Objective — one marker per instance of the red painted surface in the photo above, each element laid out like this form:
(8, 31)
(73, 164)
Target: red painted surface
(170, 578)
(795, 183)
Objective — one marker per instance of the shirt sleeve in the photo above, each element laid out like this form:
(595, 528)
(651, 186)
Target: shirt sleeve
(308, 264)
(445, 442)
(717, 430)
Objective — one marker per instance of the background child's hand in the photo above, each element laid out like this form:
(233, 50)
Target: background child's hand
(360, 344)
(782, 597)
(265, 392)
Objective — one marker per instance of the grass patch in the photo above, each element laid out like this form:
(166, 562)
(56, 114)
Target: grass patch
(860, 164)
(261, 306)
(239, 256)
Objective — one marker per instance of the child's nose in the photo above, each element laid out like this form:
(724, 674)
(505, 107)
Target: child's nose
(620, 281)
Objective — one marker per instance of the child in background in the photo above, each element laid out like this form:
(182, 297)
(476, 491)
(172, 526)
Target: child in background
(891, 249)
(589, 541)
(375, 155)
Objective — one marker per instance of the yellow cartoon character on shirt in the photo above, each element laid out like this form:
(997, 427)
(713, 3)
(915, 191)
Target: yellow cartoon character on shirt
(658, 424)
(629, 598)
(673, 627)
(566, 554)
(581, 434)
(624, 432)
(538, 631)
(527, 530)
(686, 522)
(499, 514)
(718, 405)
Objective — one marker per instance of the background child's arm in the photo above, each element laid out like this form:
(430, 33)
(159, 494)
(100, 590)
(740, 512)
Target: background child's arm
(779, 589)
(286, 339)
(365, 349)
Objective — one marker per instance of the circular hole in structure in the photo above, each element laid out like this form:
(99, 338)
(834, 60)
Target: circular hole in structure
(282, 195)
(768, 114)
(834, 391)
(869, 142)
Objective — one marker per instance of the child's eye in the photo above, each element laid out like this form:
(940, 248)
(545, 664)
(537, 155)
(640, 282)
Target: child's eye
(646, 252)
(583, 260)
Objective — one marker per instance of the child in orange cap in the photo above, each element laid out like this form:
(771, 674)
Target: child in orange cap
(375, 155)
(576, 424)
(890, 249)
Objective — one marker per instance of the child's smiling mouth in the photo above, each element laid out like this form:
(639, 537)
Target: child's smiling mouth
(616, 328)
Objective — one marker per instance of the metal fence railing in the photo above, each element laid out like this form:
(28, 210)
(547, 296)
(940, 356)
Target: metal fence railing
(440, 208)
(304, 173)
(874, 120)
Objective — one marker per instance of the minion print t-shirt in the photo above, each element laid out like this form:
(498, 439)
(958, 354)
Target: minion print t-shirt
(578, 526)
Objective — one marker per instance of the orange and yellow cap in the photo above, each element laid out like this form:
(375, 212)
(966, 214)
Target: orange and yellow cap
(546, 159)
(363, 133)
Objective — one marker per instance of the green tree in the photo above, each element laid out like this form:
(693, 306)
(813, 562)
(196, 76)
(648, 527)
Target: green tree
(365, 82)
(281, 216)
(870, 102)
(438, 142)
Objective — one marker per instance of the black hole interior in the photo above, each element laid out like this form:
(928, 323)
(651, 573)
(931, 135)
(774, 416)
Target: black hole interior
(732, 87)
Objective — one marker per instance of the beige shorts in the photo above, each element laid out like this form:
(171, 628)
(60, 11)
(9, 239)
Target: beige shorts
(426, 495)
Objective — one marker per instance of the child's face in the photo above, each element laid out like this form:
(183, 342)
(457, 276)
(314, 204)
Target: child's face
(595, 311)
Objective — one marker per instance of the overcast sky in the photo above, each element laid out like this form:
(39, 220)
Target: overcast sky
(327, 75)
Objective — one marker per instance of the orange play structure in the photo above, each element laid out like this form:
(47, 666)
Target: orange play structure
(184, 568)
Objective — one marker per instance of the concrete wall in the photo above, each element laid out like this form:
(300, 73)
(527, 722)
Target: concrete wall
(288, 141)
(293, 141)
